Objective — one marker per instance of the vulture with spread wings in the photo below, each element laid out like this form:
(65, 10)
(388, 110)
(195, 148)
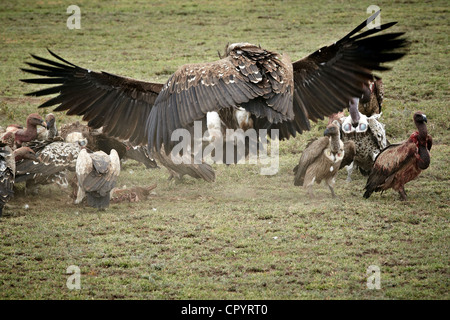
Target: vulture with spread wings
(277, 93)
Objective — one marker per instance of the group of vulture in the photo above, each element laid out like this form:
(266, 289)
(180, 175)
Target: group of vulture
(249, 87)
(73, 155)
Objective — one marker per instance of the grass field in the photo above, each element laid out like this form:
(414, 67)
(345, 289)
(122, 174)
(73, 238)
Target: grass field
(245, 236)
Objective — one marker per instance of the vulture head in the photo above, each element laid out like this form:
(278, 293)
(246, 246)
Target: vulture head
(419, 118)
(25, 153)
(331, 130)
(76, 137)
(34, 120)
(50, 120)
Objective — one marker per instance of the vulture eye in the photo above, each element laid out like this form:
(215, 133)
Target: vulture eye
(347, 127)
(362, 127)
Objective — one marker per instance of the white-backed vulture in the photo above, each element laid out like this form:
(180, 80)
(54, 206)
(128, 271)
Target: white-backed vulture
(97, 173)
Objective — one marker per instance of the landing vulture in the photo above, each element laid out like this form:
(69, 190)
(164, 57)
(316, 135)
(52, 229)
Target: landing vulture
(400, 163)
(277, 93)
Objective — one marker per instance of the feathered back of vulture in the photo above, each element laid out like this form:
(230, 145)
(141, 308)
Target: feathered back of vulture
(97, 174)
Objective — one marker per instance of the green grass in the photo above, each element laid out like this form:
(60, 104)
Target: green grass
(245, 236)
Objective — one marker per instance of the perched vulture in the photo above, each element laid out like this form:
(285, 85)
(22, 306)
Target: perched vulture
(29, 133)
(98, 141)
(277, 93)
(8, 160)
(320, 160)
(369, 136)
(96, 174)
(400, 163)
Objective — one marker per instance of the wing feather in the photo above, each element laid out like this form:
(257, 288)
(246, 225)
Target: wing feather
(97, 96)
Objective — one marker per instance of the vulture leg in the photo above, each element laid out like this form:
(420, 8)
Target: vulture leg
(402, 193)
(31, 188)
(80, 195)
(333, 195)
(349, 172)
(310, 191)
(330, 184)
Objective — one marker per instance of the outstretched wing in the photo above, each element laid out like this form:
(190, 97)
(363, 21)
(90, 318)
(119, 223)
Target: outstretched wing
(325, 80)
(121, 105)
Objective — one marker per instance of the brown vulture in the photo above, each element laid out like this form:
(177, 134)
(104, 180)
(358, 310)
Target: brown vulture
(372, 98)
(8, 159)
(277, 93)
(321, 160)
(400, 163)
(97, 173)
(28, 133)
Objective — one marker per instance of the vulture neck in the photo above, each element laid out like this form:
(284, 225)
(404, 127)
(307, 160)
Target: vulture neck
(353, 110)
(29, 133)
(424, 155)
(335, 143)
(423, 133)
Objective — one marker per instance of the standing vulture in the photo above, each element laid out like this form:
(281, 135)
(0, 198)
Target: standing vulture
(279, 94)
(321, 160)
(96, 174)
(400, 163)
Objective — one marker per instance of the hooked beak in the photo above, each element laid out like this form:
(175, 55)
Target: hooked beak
(44, 124)
(424, 117)
(50, 124)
